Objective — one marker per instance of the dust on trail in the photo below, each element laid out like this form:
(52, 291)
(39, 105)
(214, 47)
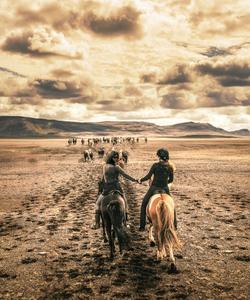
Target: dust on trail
(48, 250)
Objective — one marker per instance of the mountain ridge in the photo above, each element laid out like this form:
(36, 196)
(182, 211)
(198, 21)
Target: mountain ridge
(21, 127)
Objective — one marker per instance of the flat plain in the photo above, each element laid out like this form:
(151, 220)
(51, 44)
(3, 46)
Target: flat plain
(48, 251)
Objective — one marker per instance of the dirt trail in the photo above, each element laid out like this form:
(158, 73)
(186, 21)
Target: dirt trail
(48, 250)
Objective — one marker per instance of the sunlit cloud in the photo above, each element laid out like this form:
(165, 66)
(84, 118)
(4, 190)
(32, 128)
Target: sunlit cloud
(41, 41)
(166, 62)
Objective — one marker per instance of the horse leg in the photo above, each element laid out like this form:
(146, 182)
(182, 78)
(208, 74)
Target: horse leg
(158, 253)
(173, 267)
(120, 247)
(113, 242)
(160, 245)
(164, 251)
(104, 231)
(150, 236)
(113, 237)
(110, 239)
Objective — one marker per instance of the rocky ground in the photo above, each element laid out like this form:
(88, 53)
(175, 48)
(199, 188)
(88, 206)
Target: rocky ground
(48, 251)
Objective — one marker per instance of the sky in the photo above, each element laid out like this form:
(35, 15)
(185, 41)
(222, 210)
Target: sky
(158, 61)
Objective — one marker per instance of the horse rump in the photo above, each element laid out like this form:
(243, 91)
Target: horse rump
(160, 212)
(116, 212)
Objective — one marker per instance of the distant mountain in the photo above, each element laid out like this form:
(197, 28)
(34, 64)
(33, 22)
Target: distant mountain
(22, 127)
(242, 132)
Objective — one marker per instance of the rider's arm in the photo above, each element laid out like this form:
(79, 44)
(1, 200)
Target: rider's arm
(171, 175)
(124, 174)
(149, 175)
(100, 185)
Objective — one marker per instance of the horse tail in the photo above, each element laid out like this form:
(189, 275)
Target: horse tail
(117, 215)
(166, 233)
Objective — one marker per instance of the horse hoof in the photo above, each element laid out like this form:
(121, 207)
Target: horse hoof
(173, 269)
(152, 244)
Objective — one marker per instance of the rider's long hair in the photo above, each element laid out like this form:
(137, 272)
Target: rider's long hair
(111, 156)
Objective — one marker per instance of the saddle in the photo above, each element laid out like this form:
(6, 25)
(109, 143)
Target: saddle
(160, 191)
(112, 192)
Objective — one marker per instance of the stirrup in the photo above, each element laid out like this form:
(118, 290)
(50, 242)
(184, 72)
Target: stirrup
(95, 226)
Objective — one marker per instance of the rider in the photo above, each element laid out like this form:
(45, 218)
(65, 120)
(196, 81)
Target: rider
(110, 182)
(163, 172)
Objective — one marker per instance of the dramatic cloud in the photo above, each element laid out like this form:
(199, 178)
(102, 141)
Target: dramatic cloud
(214, 51)
(12, 85)
(123, 99)
(41, 41)
(177, 74)
(228, 74)
(132, 91)
(74, 91)
(223, 98)
(103, 19)
(218, 18)
(232, 81)
(123, 21)
(177, 100)
(26, 89)
(148, 78)
(204, 98)
(228, 69)
(57, 89)
(120, 105)
(126, 59)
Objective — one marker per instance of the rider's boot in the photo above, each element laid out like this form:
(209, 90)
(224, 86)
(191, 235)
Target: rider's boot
(175, 220)
(126, 221)
(96, 225)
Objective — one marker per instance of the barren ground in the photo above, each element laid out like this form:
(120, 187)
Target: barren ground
(48, 251)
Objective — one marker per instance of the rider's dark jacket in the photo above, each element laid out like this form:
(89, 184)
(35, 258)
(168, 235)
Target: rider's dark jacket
(163, 175)
(110, 179)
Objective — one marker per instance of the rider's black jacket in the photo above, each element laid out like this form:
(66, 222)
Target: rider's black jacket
(163, 174)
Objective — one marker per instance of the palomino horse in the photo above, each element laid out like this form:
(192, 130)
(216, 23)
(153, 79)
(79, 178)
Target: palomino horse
(114, 221)
(160, 213)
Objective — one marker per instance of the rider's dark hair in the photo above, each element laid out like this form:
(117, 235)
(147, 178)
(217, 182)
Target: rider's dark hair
(111, 156)
(163, 154)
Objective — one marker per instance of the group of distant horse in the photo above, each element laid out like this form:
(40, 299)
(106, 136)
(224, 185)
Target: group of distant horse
(113, 140)
(88, 155)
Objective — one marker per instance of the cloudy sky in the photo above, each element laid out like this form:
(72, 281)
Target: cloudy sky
(162, 61)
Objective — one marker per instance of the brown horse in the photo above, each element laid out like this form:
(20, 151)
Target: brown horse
(114, 222)
(160, 213)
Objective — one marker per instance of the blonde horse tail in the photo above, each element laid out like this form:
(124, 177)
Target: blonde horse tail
(166, 232)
